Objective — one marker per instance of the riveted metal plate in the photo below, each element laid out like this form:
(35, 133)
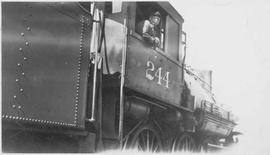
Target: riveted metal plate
(45, 64)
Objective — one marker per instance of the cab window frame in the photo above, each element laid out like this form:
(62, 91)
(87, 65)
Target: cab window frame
(175, 56)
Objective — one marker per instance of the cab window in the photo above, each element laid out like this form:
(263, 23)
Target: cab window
(143, 11)
(172, 38)
(168, 29)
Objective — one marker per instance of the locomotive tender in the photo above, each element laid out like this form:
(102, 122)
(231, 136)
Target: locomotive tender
(77, 77)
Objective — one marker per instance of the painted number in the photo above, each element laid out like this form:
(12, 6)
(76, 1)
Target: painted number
(151, 74)
(149, 70)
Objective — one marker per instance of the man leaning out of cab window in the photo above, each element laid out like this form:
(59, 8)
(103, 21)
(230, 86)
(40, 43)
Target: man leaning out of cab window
(148, 29)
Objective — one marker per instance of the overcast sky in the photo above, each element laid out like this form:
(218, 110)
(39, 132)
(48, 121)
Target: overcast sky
(232, 38)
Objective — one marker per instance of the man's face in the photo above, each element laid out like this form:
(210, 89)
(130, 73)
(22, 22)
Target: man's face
(155, 20)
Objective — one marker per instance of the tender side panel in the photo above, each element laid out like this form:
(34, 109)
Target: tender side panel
(152, 73)
(45, 64)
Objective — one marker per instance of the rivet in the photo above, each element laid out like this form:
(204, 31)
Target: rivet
(76, 101)
(21, 90)
(22, 34)
(18, 64)
(27, 43)
(23, 73)
(20, 49)
(14, 96)
(28, 28)
(17, 117)
(13, 106)
(14, 117)
(17, 80)
(10, 117)
(23, 119)
(24, 58)
(26, 119)
(19, 107)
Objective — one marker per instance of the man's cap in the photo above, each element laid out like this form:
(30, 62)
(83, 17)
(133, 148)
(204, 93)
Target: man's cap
(156, 14)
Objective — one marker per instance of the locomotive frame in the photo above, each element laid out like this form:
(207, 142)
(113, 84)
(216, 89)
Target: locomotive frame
(127, 92)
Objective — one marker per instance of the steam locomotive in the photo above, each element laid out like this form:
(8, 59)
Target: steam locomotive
(78, 77)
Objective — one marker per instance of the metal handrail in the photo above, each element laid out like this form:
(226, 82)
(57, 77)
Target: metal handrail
(214, 109)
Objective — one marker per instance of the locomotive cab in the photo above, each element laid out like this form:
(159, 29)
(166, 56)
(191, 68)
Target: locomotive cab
(155, 71)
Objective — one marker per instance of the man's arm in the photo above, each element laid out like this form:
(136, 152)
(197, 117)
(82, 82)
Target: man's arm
(145, 32)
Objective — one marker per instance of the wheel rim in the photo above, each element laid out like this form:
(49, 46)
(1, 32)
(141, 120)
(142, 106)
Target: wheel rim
(184, 143)
(147, 141)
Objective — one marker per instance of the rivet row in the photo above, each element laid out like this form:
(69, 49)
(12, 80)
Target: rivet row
(37, 120)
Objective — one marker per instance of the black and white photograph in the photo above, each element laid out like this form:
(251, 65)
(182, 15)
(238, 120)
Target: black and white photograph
(135, 77)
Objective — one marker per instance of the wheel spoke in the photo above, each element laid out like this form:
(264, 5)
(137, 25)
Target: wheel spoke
(152, 142)
(184, 143)
(147, 140)
(156, 148)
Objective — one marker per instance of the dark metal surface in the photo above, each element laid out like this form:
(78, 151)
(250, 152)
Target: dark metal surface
(137, 56)
(45, 63)
(112, 52)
